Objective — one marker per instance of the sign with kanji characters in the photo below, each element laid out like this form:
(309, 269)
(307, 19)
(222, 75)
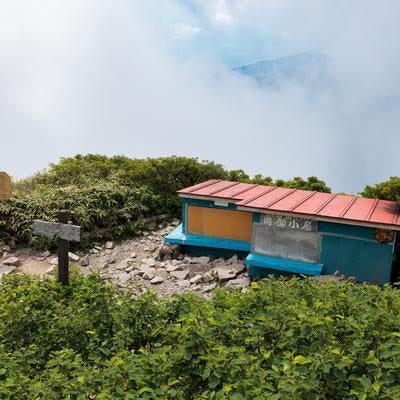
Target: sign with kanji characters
(289, 222)
(5, 186)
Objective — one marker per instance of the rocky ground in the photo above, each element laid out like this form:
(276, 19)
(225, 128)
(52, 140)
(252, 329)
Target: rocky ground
(138, 263)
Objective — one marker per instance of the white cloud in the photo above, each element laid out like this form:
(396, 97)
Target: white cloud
(184, 30)
(219, 12)
(224, 18)
(99, 76)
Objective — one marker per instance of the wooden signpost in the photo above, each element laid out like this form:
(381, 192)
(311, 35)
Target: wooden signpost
(5, 186)
(64, 233)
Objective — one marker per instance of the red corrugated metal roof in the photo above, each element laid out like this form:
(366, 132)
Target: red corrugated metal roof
(336, 207)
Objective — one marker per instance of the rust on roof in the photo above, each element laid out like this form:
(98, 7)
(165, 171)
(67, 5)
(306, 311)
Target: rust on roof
(335, 207)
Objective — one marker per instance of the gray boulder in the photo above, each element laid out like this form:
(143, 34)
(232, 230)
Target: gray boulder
(180, 274)
(157, 280)
(12, 261)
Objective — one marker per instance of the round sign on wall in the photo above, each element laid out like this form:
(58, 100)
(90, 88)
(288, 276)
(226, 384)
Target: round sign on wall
(5, 186)
(384, 236)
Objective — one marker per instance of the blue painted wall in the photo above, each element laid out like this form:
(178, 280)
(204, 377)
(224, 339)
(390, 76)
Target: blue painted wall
(352, 231)
(354, 251)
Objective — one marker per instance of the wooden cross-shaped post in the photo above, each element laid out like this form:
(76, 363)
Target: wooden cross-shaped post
(5, 186)
(64, 233)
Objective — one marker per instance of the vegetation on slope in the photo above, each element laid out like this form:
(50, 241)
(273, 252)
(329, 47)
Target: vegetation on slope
(110, 196)
(294, 339)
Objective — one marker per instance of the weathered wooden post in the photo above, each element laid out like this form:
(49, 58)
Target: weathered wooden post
(63, 250)
(5, 186)
(64, 233)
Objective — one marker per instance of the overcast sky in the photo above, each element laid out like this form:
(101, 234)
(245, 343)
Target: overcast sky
(152, 78)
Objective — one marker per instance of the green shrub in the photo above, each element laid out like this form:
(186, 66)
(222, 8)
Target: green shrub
(110, 196)
(388, 190)
(295, 339)
(312, 183)
(164, 176)
(111, 209)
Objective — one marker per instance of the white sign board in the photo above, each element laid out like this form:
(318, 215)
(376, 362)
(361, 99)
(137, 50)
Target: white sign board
(286, 243)
(56, 229)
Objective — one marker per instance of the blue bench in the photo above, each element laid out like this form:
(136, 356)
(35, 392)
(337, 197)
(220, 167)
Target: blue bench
(280, 265)
(177, 236)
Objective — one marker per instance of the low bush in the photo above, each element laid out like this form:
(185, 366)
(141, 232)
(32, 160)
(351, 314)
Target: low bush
(283, 339)
(107, 197)
(110, 196)
(388, 190)
(107, 207)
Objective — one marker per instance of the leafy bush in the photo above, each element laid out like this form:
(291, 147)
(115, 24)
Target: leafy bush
(312, 183)
(161, 174)
(112, 195)
(388, 190)
(164, 176)
(108, 197)
(295, 339)
(107, 207)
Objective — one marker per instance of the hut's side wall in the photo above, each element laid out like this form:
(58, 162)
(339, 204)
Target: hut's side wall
(354, 251)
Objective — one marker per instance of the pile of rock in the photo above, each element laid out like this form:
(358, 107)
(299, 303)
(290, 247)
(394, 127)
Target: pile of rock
(8, 263)
(140, 262)
(170, 271)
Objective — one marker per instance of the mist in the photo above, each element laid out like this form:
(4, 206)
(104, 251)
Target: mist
(146, 79)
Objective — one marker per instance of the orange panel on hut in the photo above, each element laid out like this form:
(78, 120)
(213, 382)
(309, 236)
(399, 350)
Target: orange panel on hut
(212, 222)
(195, 220)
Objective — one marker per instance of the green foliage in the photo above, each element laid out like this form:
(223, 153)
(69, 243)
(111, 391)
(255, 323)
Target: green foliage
(106, 206)
(312, 183)
(238, 175)
(165, 173)
(110, 196)
(295, 339)
(388, 190)
(262, 180)
(164, 176)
